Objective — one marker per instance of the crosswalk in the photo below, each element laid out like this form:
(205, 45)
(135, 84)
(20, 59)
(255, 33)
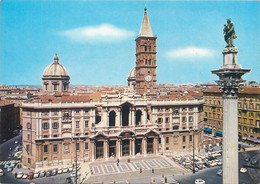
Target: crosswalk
(5, 162)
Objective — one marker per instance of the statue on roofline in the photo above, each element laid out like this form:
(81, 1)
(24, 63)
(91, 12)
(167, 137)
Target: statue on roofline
(229, 33)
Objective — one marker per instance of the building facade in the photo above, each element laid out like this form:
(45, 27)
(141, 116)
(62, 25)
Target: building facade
(135, 122)
(248, 112)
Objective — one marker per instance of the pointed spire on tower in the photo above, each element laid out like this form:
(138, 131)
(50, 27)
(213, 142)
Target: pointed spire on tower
(146, 30)
(56, 58)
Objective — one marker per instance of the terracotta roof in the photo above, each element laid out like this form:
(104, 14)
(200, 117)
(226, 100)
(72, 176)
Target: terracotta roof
(64, 98)
(241, 90)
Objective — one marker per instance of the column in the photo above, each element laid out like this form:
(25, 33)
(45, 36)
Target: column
(105, 147)
(155, 145)
(92, 150)
(133, 146)
(230, 75)
(118, 148)
(117, 118)
(144, 146)
(230, 140)
(144, 116)
(163, 143)
(130, 147)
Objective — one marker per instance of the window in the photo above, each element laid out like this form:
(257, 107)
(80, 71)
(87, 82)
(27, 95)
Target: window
(183, 119)
(86, 145)
(167, 140)
(55, 135)
(28, 137)
(77, 111)
(55, 147)
(27, 148)
(55, 113)
(28, 125)
(251, 114)
(45, 148)
(55, 87)
(86, 124)
(183, 138)
(167, 120)
(159, 120)
(145, 61)
(55, 125)
(77, 134)
(239, 104)
(150, 62)
(65, 87)
(86, 111)
(190, 137)
(86, 133)
(190, 119)
(45, 126)
(145, 48)
(77, 124)
(46, 87)
(245, 105)
(29, 161)
(45, 136)
(77, 146)
(251, 105)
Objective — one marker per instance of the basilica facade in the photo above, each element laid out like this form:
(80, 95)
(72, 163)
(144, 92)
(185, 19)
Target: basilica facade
(136, 122)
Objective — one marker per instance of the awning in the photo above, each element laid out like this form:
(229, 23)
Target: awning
(218, 132)
(207, 129)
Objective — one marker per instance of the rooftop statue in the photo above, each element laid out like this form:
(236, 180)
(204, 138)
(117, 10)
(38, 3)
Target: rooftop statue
(229, 33)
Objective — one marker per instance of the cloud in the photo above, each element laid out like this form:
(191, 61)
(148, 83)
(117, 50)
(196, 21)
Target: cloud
(190, 53)
(97, 34)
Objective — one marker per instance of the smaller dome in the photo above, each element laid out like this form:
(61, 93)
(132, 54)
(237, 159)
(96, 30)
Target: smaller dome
(132, 74)
(55, 69)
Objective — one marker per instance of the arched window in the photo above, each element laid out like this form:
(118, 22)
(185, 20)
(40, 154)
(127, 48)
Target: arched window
(125, 115)
(138, 116)
(112, 118)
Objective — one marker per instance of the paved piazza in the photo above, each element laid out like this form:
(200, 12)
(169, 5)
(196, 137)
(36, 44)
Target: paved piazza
(109, 170)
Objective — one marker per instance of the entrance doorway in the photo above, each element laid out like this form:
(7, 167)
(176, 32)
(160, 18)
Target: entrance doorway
(138, 146)
(150, 145)
(99, 149)
(112, 148)
(125, 147)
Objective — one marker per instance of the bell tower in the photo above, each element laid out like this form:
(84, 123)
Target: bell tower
(146, 59)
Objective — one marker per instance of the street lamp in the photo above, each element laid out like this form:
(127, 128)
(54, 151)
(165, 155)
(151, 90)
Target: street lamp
(76, 161)
(193, 164)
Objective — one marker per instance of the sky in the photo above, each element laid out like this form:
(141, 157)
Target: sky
(95, 40)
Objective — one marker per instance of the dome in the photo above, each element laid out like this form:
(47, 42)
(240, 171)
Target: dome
(132, 74)
(55, 69)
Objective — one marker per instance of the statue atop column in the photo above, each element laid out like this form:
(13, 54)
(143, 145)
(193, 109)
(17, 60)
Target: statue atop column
(229, 33)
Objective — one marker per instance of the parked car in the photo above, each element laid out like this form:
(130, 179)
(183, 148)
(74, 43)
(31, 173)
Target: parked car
(30, 175)
(243, 170)
(254, 161)
(42, 173)
(16, 142)
(49, 173)
(36, 174)
(19, 175)
(60, 171)
(199, 181)
(1, 172)
(10, 155)
(54, 172)
(25, 176)
(69, 180)
(70, 169)
(9, 169)
(219, 173)
(6, 165)
(65, 170)
(73, 174)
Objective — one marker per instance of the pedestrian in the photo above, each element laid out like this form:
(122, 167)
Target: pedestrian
(118, 160)
(117, 164)
(140, 170)
(152, 170)
(165, 179)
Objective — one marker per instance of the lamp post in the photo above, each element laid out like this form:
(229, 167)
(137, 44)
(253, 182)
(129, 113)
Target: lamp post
(193, 150)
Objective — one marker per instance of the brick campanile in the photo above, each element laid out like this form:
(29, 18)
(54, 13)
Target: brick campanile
(146, 59)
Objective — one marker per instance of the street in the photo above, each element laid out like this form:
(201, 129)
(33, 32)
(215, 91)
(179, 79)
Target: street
(207, 174)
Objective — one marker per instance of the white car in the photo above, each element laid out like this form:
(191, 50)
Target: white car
(65, 170)
(1, 172)
(19, 175)
(25, 176)
(73, 174)
(60, 171)
(16, 142)
(243, 170)
(70, 169)
(200, 181)
(36, 174)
